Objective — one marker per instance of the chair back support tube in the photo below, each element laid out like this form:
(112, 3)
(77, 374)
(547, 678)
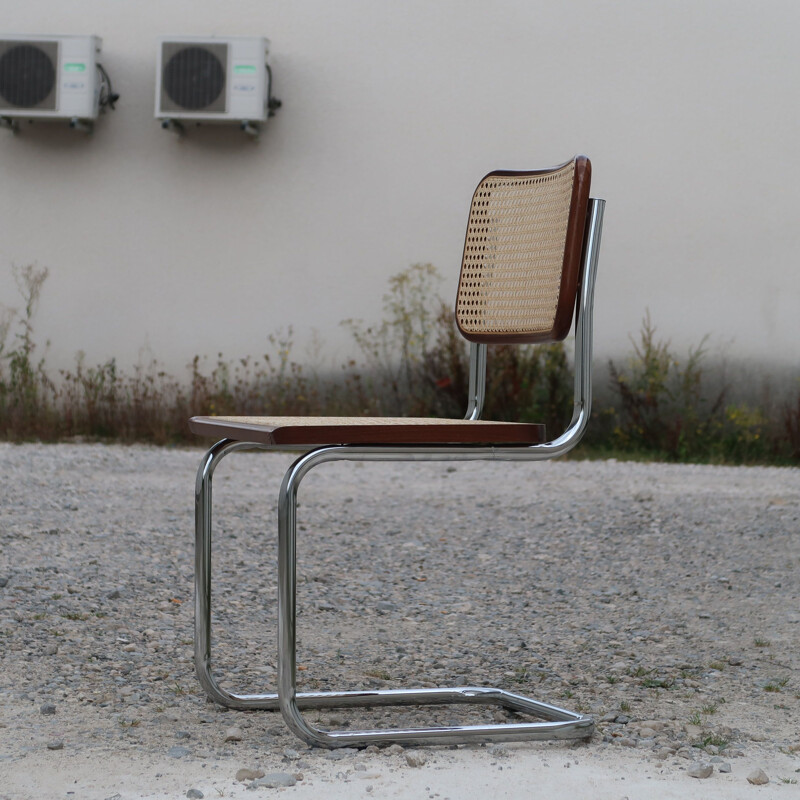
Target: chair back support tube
(477, 380)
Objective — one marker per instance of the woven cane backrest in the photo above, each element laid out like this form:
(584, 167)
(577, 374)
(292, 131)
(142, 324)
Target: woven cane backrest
(522, 255)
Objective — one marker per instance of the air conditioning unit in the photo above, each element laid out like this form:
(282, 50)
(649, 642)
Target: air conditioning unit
(50, 77)
(225, 79)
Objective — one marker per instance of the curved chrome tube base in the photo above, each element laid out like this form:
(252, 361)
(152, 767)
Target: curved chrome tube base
(559, 723)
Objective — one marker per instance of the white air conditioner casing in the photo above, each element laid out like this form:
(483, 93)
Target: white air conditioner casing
(212, 79)
(49, 77)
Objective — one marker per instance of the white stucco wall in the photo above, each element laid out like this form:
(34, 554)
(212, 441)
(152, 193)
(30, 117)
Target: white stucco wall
(392, 112)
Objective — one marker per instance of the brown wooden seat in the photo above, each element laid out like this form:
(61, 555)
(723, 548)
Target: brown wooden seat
(527, 272)
(318, 431)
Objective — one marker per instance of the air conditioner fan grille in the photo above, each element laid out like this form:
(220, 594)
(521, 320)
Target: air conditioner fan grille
(27, 75)
(194, 78)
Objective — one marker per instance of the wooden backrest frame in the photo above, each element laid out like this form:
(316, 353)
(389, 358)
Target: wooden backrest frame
(479, 291)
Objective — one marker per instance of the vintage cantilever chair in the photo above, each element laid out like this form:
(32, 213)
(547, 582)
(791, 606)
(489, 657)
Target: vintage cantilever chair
(528, 268)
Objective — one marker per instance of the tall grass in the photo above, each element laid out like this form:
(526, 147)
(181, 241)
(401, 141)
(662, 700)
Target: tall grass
(411, 362)
(670, 408)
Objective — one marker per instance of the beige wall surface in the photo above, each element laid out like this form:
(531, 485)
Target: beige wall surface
(391, 113)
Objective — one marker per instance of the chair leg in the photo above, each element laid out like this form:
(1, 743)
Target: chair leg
(202, 610)
(560, 724)
(202, 583)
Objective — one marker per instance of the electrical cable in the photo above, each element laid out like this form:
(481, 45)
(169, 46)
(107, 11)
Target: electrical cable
(107, 97)
(273, 104)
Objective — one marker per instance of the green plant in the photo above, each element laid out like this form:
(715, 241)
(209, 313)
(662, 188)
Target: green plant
(639, 672)
(714, 739)
(396, 349)
(710, 708)
(529, 383)
(662, 403)
(658, 683)
(759, 641)
(25, 389)
(521, 674)
(776, 685)
(791, 425)
(695, 718)
(625, 706)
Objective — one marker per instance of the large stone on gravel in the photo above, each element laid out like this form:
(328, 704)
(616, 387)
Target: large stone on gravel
(758, 777)
(700, 770)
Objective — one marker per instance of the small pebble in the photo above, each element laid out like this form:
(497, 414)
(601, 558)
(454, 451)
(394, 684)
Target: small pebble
(340, 753)
(195, 793)
(47, 709)
(59, 745)
(249, 774)
(274, 780)
(416, 759)
(51, 649)
(724, 767)
(233, 735)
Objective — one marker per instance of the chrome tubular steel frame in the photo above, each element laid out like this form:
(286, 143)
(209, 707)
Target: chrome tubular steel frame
(560, 723)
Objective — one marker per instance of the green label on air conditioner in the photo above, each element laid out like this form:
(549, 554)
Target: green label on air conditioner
(75, 66)
(244, 69)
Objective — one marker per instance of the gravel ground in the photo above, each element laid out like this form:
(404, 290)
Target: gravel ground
(661, 598)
